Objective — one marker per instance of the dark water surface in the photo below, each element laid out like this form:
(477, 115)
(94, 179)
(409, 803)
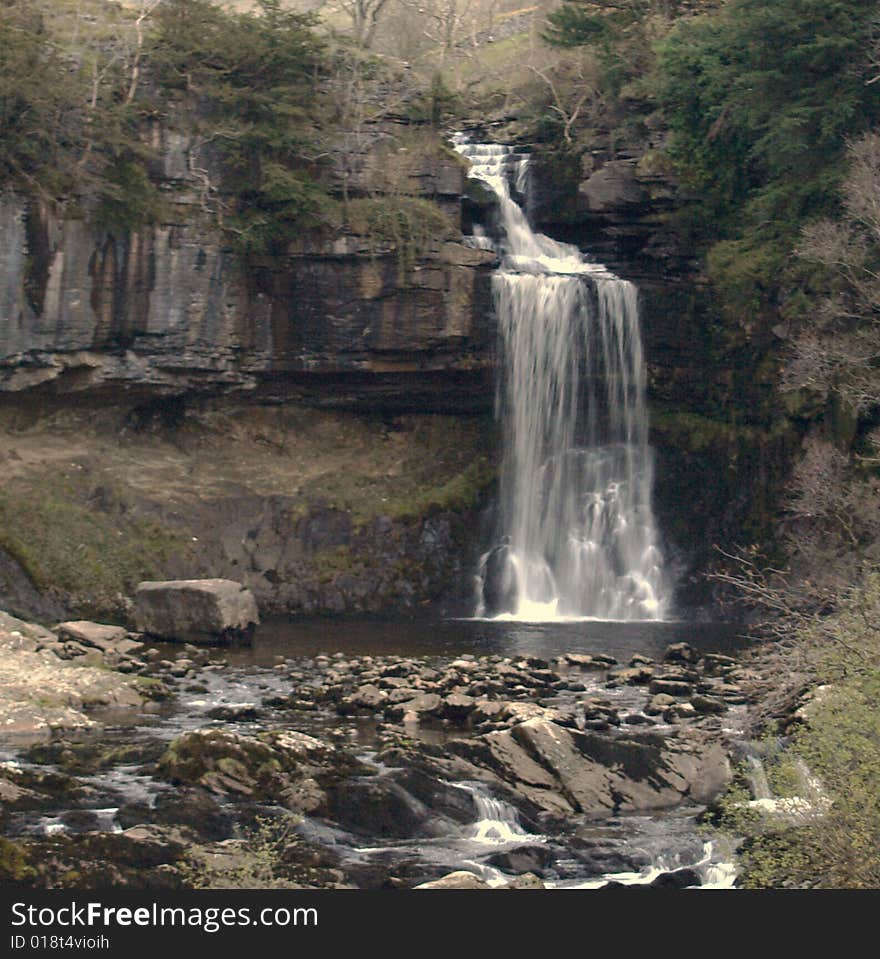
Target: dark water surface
(296, 637)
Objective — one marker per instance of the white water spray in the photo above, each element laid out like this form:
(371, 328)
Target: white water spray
(578, 533)
(497, 822)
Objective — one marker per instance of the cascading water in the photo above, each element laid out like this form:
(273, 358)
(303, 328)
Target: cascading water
(578, 537)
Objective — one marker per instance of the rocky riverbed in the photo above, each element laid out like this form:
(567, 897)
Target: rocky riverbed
(168, 766)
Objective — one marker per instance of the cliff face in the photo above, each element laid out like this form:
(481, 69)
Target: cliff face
(166, 313)
(168, 309)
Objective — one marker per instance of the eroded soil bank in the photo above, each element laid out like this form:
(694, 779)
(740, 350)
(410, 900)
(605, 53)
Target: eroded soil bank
(314, 511)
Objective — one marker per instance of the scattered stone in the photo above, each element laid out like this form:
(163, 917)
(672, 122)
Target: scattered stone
(679, 711)
(369, 697)
(636, 719)
(633, 676)
(639, 660)
(681, 653)
(43, 695)
(456, 880)
(235, 713)
(671, 687)
(458, 707)
(708, 704)
(659, 704)
(107, 639)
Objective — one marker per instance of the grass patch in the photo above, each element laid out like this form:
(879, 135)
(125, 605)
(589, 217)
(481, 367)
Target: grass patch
(87, 558)
(436, 462)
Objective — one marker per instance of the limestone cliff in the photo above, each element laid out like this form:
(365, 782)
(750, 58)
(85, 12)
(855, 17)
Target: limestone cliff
(169, 309)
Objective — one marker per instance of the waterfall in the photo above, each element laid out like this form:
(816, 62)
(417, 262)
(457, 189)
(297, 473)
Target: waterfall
(497, 821)
(577, 533)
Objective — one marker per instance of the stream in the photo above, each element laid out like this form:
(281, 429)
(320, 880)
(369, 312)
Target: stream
(243, 689)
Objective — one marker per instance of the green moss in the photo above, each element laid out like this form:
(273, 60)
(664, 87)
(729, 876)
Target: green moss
(151, 687)
(14, 866)
(697, 432)
(458, 493)
(327, 564)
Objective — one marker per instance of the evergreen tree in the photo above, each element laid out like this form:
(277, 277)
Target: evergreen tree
(39, 104)
(254, 76)
(762, 98)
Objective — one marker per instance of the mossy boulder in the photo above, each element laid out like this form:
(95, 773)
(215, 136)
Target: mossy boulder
(284, 767)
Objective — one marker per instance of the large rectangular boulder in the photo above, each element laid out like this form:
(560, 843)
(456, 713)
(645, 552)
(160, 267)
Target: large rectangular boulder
(204, 611)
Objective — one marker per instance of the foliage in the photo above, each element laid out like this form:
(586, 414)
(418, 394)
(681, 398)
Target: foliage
(254, 862)
(618, 32)
(435, 104)
(834, 351)
(580, 23)
(409, 224)
(835, 841)
(40, 104)
(761, 97)
(254, 76)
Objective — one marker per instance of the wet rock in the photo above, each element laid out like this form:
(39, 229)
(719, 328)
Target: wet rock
(368, 697)
(423, 706)
(280, 766)
(603, 854)
(681, 653)
(202, 611)
(560, 770)
(583, 661)
(657, 705)
(382, 807)
(708, 704)
(488, 710)
(437, 794)
(632, 676)
(528, 858)
(107, 639)
(456, 880)
(235, 713)
(26, 789)
(677, 879)
(87, 758)
(457, 707)
(671, 687)
(679, 711)
(636, 719)
(195, 809)
(502, 755)
(527, 881)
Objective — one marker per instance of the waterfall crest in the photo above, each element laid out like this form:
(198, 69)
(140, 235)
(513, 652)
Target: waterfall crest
(577, 532)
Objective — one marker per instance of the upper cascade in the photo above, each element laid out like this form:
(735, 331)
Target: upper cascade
(577, 537)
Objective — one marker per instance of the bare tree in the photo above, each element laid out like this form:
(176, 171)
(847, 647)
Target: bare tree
(836, 349)
(145, 11)
(365, 17)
